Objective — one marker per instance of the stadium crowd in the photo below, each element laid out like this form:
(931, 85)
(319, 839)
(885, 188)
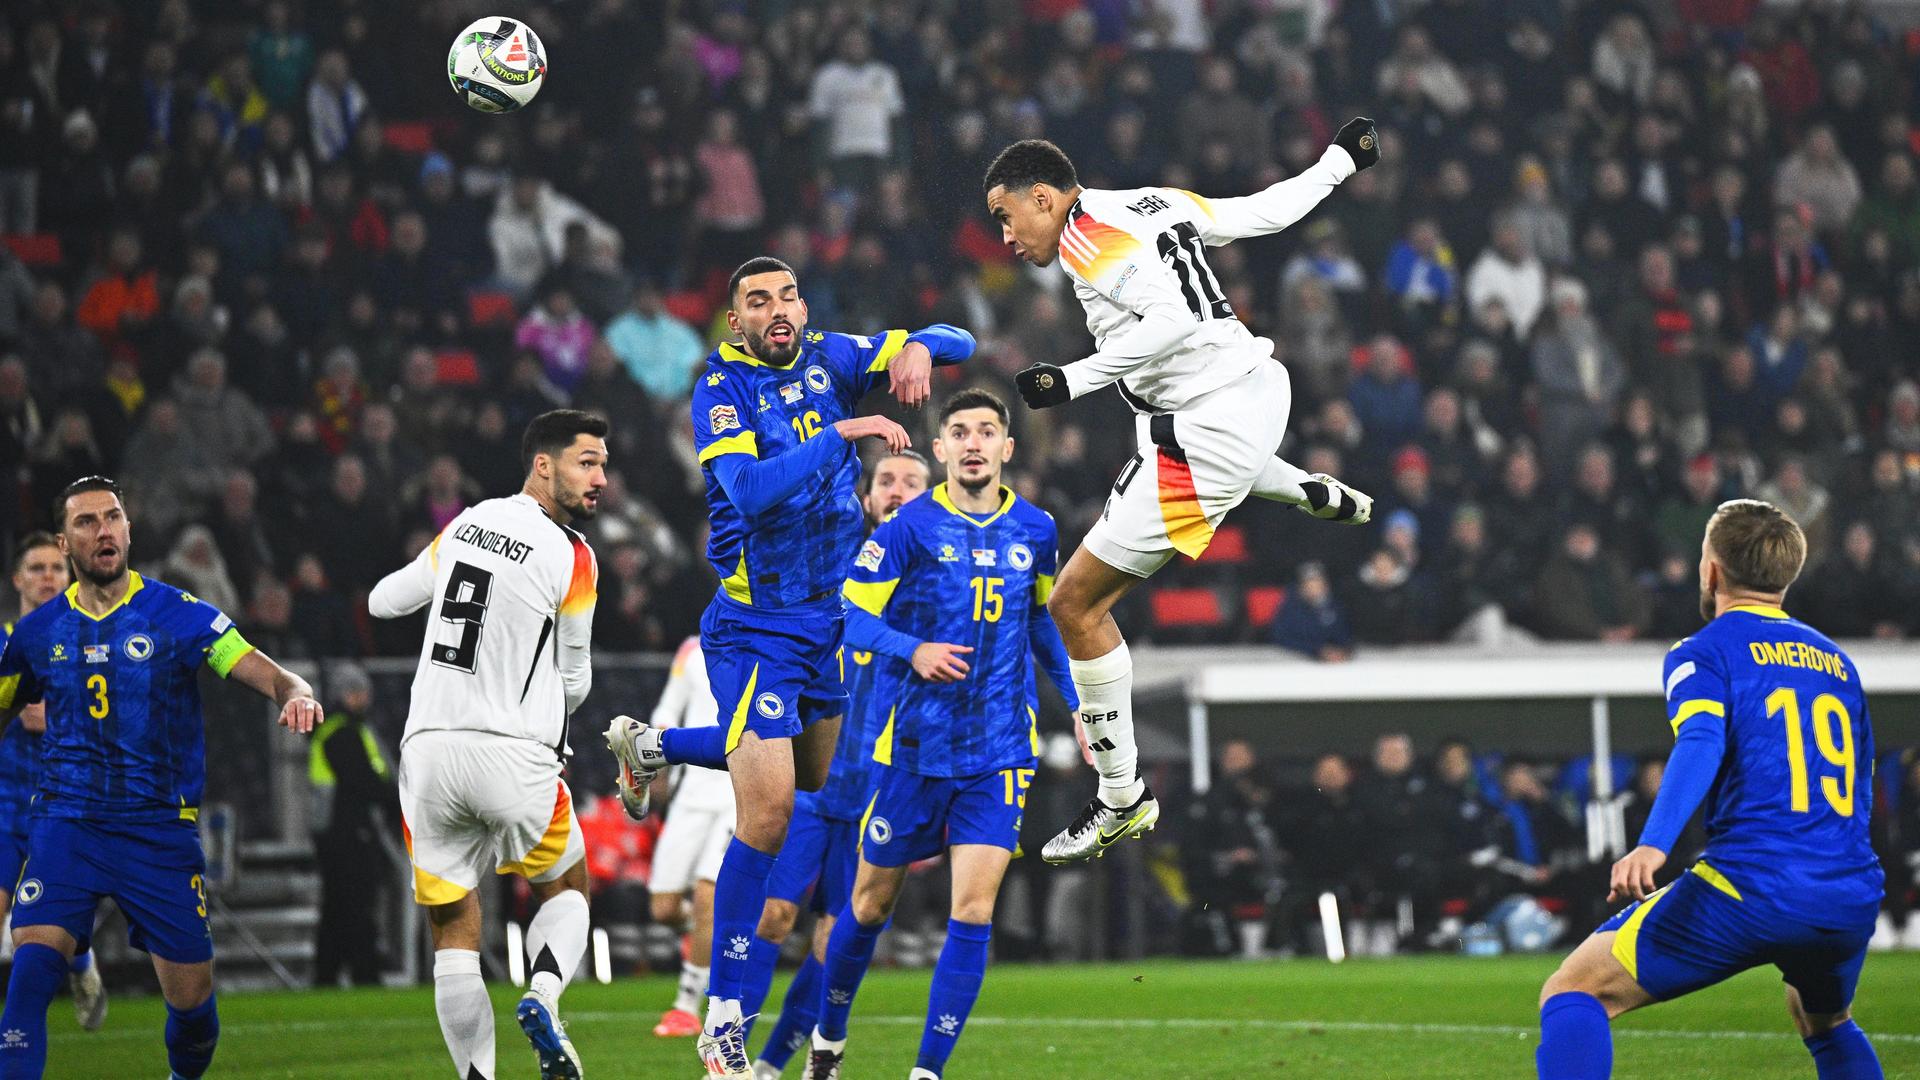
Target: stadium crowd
(1621, 261)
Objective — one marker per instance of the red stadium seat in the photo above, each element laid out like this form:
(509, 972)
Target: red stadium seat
(690, 307)
(1229, 546)
(410, 138)
(456, 367)
(490, 309)
(37, 249)
(1177, 608)
(1263, 603)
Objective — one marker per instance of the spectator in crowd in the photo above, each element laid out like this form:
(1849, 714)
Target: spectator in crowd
(1580, 376)
(1386, 397)
(1230, 846)
(1536, 841)
(359, 805)
(856, 101)
(1408, 833)
(559, 334)
(1510, 273)
(1818, 178)
(1855, 591)
(1310, 621)
(1316, 822)
(197, 565)
(228, 426)
(336, 105)
(1584, 593)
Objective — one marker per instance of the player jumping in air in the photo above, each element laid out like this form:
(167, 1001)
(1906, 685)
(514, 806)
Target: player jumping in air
(39, 575)
(1771, 732)
(956, 583)
(774, 428)
(816, 866)
(692, 843)
(505, 662)
(114, 658)
(1212, 406)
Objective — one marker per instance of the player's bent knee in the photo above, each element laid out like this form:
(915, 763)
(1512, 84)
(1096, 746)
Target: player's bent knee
(669, 908)
(777, 919)
(51, 936)
(978, 912)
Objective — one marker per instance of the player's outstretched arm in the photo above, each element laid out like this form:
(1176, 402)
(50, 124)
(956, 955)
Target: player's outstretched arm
(298, 710)
(1164, 322)
(1222, 221)
(407, 589)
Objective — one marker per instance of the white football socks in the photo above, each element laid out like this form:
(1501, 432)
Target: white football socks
(556, 940)
(1105, 685)
(466, 1015)
(693, 987)
(1282, 481)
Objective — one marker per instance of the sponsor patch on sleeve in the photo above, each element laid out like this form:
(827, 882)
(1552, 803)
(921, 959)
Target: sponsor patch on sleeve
(723, 418)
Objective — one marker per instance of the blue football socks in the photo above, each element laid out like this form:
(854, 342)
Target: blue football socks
(956, 985)
(849, 951)
(702, 746)
(38, 973)
(1576, 1042)
(739, 892)
(1844, 1054)
(191, 1037)
(798, 1013)
(762, 957)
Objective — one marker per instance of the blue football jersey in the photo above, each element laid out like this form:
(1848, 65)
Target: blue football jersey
(125, 739)
(795, 552)
(19, 768)
(850, 780)
(938, 574)
(1787, 816)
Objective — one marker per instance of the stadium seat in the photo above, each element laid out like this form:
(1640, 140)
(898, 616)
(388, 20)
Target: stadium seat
(1175, 609)
(410, 138)
(1229, 547)
(1263, 603)
(37, 249)
(456, 367)
(490, 309)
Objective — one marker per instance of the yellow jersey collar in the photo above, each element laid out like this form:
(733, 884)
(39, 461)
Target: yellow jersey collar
(738, 355)
(1006, 503)
(1761, 610)
(134, 584)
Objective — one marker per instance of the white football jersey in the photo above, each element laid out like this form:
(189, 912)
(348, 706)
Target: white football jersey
(1138, 263)
(687, 701)
(507, 643)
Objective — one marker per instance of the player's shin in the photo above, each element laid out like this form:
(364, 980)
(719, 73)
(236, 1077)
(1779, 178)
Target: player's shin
(1576, 1041)
(556, 940)
(849, 952)
(739, 894)
(956, 985)
(799, 1011)
(466, 1015)
(1105, 686)
(191, 1036)
(702, 746)
(692, 991)
(1844, 1054)
(38, 971)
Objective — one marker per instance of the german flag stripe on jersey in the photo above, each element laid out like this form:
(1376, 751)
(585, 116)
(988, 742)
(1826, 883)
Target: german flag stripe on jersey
(1186, 522)
(583, 589)
(1094, 250)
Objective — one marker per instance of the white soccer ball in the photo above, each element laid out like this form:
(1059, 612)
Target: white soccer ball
(497, 64)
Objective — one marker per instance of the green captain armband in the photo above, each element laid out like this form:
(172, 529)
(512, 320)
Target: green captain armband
(226, 651)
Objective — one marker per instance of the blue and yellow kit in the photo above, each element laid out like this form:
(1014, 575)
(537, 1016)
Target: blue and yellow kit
(123, 761)
(1771, 723)
(784, 512)
(19, 779)
(955, 758)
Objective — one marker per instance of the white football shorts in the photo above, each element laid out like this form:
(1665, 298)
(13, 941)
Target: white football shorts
(471, 800)
(1192, 467)
(692, 843)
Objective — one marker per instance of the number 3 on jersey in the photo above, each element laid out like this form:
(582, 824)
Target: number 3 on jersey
(464, 607)
(1837, 751)
(1182, 249)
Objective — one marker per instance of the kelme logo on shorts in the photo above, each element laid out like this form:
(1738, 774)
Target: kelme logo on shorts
(770, 706)
(879, 831)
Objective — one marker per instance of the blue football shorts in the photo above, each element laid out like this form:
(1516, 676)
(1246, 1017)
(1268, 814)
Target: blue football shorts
(915, 817)
(155, 873)
(821, 856)
(773, 672)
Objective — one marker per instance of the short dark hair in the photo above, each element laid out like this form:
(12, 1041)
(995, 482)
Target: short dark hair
(1757, 544)
(974, 397)
(81, 487)
(38, 538)
(1029, 162)
(866, 482)
(759, 264)
(552, 432)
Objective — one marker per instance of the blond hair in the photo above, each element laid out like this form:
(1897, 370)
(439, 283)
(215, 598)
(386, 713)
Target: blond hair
(1759, 547)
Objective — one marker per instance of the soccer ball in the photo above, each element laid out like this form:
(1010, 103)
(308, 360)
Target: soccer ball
(496, 65)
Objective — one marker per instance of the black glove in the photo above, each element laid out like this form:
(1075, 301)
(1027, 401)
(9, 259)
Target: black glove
(1359, 140)
(1042, 386)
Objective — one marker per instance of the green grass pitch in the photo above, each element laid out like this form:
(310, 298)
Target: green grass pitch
(1430, 1018)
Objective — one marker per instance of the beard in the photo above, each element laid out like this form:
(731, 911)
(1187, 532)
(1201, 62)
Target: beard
(575, 504)
(769, 353)
(975, 484)
(91, 571)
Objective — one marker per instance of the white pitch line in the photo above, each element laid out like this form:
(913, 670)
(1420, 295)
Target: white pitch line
(1083, 1022)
